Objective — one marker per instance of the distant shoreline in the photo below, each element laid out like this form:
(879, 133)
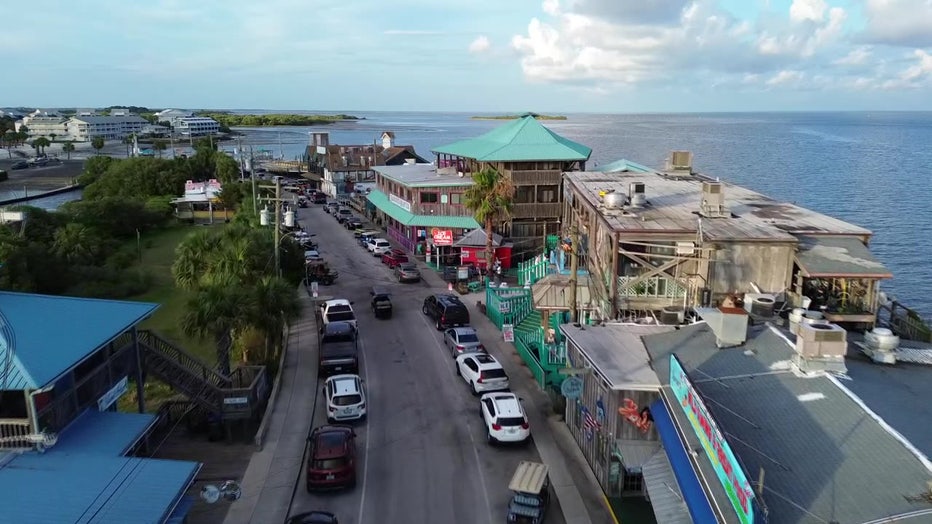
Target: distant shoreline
(231, 120)
(515, 117)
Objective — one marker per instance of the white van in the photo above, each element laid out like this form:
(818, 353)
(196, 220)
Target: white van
(346, 399)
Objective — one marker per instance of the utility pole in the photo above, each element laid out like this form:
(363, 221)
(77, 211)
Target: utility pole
(252, 174)
(574, 270)
(277, 224)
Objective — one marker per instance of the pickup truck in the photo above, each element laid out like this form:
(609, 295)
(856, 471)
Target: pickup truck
(338, 350)
(336, 310)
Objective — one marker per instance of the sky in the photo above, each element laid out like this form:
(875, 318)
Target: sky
(595, 56)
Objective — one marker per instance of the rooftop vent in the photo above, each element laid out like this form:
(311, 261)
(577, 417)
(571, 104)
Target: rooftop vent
(713, 200)
(729, 324)
(636, 194)
(821, 347)
(680, 162)
(611, 199)
(759, 304)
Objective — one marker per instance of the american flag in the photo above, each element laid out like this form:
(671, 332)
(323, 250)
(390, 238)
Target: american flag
(590, 421)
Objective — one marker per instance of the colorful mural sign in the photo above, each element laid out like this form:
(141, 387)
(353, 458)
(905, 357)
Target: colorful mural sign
(726, 466)
(640, 418)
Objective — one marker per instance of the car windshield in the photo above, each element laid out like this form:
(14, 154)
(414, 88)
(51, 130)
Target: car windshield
(330, 463)
(493, 373)
(347, 400)
(468, 337)
(511, 421)
(338, 337)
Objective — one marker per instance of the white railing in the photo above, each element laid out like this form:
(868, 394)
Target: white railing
(15, 433)
(650, 287)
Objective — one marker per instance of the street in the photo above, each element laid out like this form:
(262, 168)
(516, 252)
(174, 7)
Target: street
(422, 453)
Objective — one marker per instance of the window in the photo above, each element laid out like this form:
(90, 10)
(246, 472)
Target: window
(524, 195)
(547, 194)
(456, 198)
(494, 373)
(633, 482)
(429, 198)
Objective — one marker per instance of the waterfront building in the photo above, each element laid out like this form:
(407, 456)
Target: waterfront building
(534, 159)
(342, 167)
(190, 126)
(45, 123)
(167, 115)
(675, 238)
(421, 203)
(86, 128)
(66, 453)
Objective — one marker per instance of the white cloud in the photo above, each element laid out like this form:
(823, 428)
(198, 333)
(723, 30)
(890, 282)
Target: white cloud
(921, 69)
(857, 56)
(811, 10)
(480, 45)
(551, 7)
(899, 22)
(785, 77)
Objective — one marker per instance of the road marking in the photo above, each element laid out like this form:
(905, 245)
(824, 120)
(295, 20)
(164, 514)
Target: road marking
(365, 466)
(475, 449)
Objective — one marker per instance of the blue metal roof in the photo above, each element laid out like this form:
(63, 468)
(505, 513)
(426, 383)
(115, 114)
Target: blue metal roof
(44, 336)
(92, 488)
(105, 432)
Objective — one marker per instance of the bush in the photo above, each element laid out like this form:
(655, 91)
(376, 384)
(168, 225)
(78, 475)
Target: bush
(98, 282)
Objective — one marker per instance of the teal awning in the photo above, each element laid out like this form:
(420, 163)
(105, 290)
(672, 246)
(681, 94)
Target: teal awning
(407, 218)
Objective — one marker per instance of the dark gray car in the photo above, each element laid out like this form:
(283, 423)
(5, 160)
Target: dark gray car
(407, 272)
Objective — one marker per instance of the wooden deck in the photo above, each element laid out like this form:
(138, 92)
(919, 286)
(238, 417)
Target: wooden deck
(221, 461)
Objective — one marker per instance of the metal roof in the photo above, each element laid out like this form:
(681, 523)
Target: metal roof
(478, 238)
(105, 432)
(522, 139)
(666, 499)
(620, 165)
(618, 353)
(48, 335)
(108, 119)
(423, 175)
(85, 488)
(835, 256)
(673, 203)
(381, 201)
(826, 458)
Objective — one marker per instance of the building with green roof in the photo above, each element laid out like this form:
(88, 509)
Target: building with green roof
(534, 158)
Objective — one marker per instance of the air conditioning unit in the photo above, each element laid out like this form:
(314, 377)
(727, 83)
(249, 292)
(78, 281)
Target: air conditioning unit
(685, 248)
(823, 340)
(637, 194)
(713, 200)
(680, 161)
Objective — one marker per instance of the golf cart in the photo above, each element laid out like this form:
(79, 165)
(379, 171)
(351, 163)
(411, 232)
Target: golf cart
(319, 271)
(531, 487)
(381, 302)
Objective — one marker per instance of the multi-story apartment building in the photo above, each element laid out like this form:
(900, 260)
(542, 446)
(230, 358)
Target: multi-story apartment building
(45, 123)
(86, 128)
(195, 126)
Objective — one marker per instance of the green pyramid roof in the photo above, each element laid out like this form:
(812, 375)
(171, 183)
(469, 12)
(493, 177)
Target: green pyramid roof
(523, 139)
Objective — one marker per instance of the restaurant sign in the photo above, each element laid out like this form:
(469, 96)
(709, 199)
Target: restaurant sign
(723, 461)
(442, 237)
(400, 202)
(113, 394)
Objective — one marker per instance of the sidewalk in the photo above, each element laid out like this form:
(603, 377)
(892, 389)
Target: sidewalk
(575, 486)
(270, 478)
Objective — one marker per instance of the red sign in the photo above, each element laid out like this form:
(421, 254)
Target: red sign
(442, 237)
(639, 417)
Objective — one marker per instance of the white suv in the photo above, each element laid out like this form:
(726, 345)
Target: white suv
(504, 417)
(380, 247)
(346, 399)
(482, 372)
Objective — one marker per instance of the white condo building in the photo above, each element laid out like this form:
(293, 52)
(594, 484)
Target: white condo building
(86, 128)
(195, 126)
(45, 123)
(167, 115)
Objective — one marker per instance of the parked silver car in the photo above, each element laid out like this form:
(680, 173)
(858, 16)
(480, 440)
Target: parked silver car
(407, 272)
(460, 340)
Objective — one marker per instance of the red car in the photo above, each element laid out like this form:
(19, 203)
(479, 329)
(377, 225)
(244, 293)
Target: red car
(331, 463)
(394, 257)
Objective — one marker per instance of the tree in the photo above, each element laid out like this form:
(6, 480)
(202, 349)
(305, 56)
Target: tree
(68, 148)
(159, 146)
(490, 200)
(52, 136)
(97, 143)
(40, 144)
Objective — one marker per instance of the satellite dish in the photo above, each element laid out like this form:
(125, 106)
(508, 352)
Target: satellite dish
(229, 490)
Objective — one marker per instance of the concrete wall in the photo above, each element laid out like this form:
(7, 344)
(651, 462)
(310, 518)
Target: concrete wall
(736, 265)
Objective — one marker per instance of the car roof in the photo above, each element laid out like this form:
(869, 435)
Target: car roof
(337, 302)
(506, 404)
(377, 240)
(313, 517)
(331, 441)
(338, 328)
(408, 265)
(446, 297)
(345, 384)
(464, 329)
(484, 360)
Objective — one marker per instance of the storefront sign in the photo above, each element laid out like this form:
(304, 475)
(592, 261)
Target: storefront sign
(442, 237)
(113, 394)
(508, 331)
(400, 202)
(572, 387)
(726, 466)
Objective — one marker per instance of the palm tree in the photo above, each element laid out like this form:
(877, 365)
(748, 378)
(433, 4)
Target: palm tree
(275, 303)
(40, 144)
(490, 200)
(159, 145)
(52, 136)
(97, 143)
(216, 310)
(68, 148)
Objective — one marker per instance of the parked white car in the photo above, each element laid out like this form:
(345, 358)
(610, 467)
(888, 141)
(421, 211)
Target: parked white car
(482, 372)
(337, 310)
(504, 417)
(381, 247)
(346, 398)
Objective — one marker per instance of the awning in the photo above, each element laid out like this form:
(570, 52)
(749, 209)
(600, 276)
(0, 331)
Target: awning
(664, 492)
(693, 495)
(837, 257)
(407, 218)
(634, 454)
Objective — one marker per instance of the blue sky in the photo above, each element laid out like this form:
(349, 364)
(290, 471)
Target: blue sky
(474, 55)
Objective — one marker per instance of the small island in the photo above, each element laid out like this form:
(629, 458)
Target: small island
(275, 119)
(513, 117)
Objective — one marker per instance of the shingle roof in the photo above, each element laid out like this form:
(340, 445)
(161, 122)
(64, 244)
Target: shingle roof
(825, 457)
(523, 139)
(48, 335)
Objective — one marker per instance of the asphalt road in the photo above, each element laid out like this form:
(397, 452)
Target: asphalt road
(422, 454)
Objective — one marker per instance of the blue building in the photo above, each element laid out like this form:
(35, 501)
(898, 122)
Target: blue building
(66, 453)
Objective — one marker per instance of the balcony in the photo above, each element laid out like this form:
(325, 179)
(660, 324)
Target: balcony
(650, 287)
(536, 177)
(554, 210)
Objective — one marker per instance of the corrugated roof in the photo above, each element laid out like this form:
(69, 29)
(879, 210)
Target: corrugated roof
(673, 204)
(422, 175)
(665, 497)
(92, 488)
(52, 334)
(618, 353)
(620, 165)
(478, 238)
(835, 256)
(105, 432)
(381, 201)
(825, 458)
(522, 139)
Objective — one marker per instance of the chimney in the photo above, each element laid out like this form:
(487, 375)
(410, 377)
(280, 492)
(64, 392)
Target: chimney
(730, 324)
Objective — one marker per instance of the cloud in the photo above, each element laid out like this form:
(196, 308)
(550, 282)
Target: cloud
(898, 22)
(811, 10)
(480, 45)
(857, 56)
(785, 77)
